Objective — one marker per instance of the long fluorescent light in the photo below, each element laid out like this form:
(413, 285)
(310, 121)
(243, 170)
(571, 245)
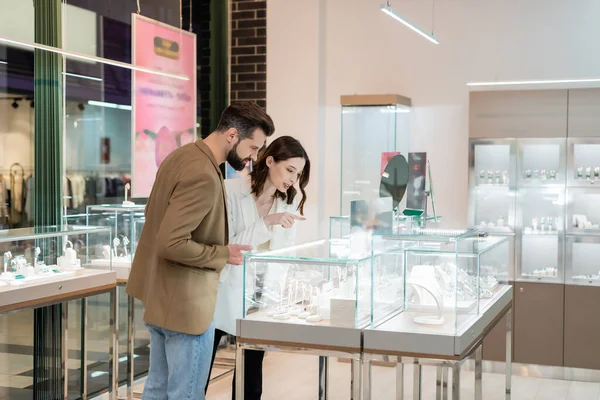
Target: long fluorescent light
(390, 11)
(108, 105)
(92, 58)
(91, 78)
(539, 82)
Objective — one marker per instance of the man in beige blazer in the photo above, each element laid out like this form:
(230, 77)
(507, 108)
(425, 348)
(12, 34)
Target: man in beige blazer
(184, 246)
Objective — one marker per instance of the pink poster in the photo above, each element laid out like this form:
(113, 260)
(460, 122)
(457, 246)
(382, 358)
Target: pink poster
(164, 107)
(386, 156)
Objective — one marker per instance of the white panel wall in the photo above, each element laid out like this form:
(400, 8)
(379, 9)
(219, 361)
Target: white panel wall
(364, 51)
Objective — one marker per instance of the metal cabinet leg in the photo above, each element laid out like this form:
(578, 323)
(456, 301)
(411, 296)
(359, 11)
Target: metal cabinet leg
(417, 380)
(130, 345)
(355, 385)
(65, 348)
(113, 346)
(508, 362)
(456, 382)
(239, 372)
(439, 382)
(478, 373)
(84, 339)
(323, 378)
(366, 379)
(445, 371)
(399, 379)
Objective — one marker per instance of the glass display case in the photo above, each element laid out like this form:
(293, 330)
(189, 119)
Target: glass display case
(322, 282)
(541, 209)
(370, 132)
(582, 221)
(125, 223)
(451, 277)
(39, 254)
(493, 184)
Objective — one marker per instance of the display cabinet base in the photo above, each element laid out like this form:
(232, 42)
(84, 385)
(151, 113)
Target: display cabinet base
(324, 352)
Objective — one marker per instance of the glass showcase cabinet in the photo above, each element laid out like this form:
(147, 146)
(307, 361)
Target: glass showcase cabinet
(550, 207)
(451, 277)
(321, 282)
(126, 223)
(373, 127)
(39, 254)
(434, 280)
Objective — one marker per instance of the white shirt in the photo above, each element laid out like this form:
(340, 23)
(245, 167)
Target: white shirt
(246, 227)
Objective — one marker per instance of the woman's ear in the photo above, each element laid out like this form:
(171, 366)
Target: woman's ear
(270, 161)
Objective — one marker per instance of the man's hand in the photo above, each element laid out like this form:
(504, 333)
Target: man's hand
(236, 257)
(284, 219)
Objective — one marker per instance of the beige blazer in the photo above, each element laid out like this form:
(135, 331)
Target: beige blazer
(183, 246)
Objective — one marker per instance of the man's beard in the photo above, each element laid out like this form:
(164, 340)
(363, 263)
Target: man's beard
(235, 161)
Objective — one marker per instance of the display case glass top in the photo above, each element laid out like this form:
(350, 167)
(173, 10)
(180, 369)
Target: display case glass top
(323, 282)
(39, 254)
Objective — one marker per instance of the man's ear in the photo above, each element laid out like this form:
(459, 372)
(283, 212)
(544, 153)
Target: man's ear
(231, 135)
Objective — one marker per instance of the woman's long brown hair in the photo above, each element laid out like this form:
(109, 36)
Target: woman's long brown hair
(281, 149)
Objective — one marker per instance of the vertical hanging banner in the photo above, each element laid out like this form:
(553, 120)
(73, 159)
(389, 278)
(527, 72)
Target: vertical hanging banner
(163, 108)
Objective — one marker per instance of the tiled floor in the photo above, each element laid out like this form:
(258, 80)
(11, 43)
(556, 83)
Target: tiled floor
(294, 377)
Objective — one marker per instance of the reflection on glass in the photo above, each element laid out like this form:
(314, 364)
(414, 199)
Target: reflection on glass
(16, 137)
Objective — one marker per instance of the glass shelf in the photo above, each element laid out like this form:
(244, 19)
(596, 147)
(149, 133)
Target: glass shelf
(584, 162)
(541, 163)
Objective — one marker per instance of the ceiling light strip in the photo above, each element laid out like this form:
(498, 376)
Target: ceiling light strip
(91, 78)
(92, 58)
(390, 11)
(533, 82)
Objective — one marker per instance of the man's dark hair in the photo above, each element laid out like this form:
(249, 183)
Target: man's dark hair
(246, 117)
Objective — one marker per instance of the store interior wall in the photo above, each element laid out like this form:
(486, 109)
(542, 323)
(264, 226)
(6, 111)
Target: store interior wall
(351, 47)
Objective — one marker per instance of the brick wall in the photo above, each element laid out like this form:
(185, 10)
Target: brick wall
(249, 51)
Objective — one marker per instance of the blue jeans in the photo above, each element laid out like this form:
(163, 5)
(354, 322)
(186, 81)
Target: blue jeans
(179, 364)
